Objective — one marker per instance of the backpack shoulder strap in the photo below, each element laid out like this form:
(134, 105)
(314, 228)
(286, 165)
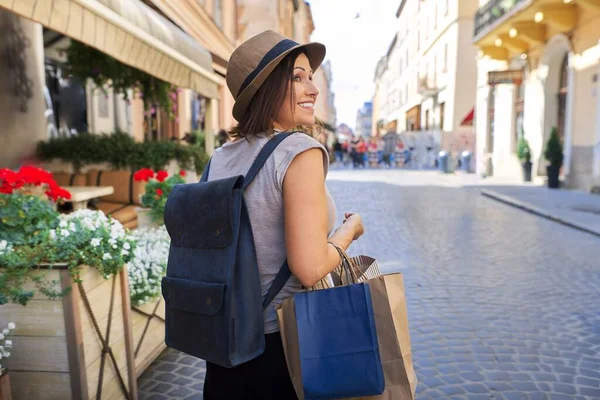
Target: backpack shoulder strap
(262, 157)
(206, 170)
(278, 283)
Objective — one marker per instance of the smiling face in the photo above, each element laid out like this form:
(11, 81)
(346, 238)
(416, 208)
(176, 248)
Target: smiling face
(298, 106)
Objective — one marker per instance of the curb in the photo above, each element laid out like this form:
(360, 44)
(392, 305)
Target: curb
(511, 201)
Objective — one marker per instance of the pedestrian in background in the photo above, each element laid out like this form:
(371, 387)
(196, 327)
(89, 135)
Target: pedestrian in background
(337, 150)
(373, 157)
(291, 212)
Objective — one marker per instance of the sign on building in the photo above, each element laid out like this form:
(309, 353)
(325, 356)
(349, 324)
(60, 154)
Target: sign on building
(513, 76)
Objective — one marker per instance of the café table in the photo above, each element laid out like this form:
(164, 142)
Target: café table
(80, 195)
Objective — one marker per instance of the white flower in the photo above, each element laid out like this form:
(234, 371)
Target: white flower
(11, 326)
(96, 242)
(126, 246)
(8, 343)
(6, 355)
(63, 224)
(3, 244)
(65, 232)
(52, 234)
(72, 227)
(1, 336)
(124, 252)
(106, 256)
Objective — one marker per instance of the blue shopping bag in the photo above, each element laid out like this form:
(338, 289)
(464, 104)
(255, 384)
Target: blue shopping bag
(337, 340)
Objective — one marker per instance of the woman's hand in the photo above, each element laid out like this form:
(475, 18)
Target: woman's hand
(354, 222)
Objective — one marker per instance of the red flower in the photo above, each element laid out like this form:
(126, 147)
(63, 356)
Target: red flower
(161, 175)
(8, 177)
(159, 192)
(143, 174)
(182, 173)
(35, 176)
(6, 189)
(30, 175)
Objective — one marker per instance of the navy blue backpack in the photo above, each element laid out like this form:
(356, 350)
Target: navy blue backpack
(214, 306)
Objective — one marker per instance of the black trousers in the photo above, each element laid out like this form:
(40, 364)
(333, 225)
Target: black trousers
(264, 378)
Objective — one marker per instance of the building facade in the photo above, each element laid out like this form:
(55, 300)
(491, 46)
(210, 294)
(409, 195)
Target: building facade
(364, 120)
(186, 46)
(325, 107)
(427, 78)
(538, 69)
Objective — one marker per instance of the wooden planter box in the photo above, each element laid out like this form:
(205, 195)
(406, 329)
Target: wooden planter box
(58, 350)
(148, 333)
(5, 392)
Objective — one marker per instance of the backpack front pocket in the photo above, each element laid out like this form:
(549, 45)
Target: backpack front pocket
(195, 317)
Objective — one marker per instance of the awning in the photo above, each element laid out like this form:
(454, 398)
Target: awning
(468, 120)
(132, 33)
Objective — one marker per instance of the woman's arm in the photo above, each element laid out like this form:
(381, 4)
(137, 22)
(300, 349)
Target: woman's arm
(305, 213)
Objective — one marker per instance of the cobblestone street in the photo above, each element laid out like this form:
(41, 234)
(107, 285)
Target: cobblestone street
(502, 304)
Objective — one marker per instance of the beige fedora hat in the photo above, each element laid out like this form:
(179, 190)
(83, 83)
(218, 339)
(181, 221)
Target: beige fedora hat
(253, 61)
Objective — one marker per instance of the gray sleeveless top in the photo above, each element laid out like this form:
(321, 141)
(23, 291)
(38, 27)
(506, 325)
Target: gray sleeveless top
(264, 198)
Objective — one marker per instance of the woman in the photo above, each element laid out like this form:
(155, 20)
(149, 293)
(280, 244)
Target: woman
(291, 211)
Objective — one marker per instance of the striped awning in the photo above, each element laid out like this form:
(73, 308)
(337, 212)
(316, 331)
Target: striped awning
(132, 33)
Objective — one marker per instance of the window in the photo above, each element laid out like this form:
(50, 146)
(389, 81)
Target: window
(102, 105)
(435, 70)
(442, 109)
(445, 65)
(218, 13)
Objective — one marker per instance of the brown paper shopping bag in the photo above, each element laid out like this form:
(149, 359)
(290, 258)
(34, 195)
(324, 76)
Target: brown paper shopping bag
(397, 385)
(289, 338)
(365, 268)
(394, 284)
(397, 371)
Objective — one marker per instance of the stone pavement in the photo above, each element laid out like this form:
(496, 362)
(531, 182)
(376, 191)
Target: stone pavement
(174, 375)
(578, 209)
(502, 304)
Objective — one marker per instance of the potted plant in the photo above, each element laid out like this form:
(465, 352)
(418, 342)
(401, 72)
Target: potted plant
(67, 272)
(524, 154)
(5, 348)
(554, 155)
(158, 188)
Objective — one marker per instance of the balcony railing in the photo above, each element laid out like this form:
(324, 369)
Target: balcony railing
(487, 15)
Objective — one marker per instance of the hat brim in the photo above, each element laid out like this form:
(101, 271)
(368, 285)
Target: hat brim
(315, 53)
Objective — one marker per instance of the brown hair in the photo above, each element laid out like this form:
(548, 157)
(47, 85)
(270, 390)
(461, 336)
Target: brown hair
(267, 101)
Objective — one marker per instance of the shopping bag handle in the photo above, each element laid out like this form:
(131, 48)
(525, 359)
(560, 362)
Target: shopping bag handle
(347, 266)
